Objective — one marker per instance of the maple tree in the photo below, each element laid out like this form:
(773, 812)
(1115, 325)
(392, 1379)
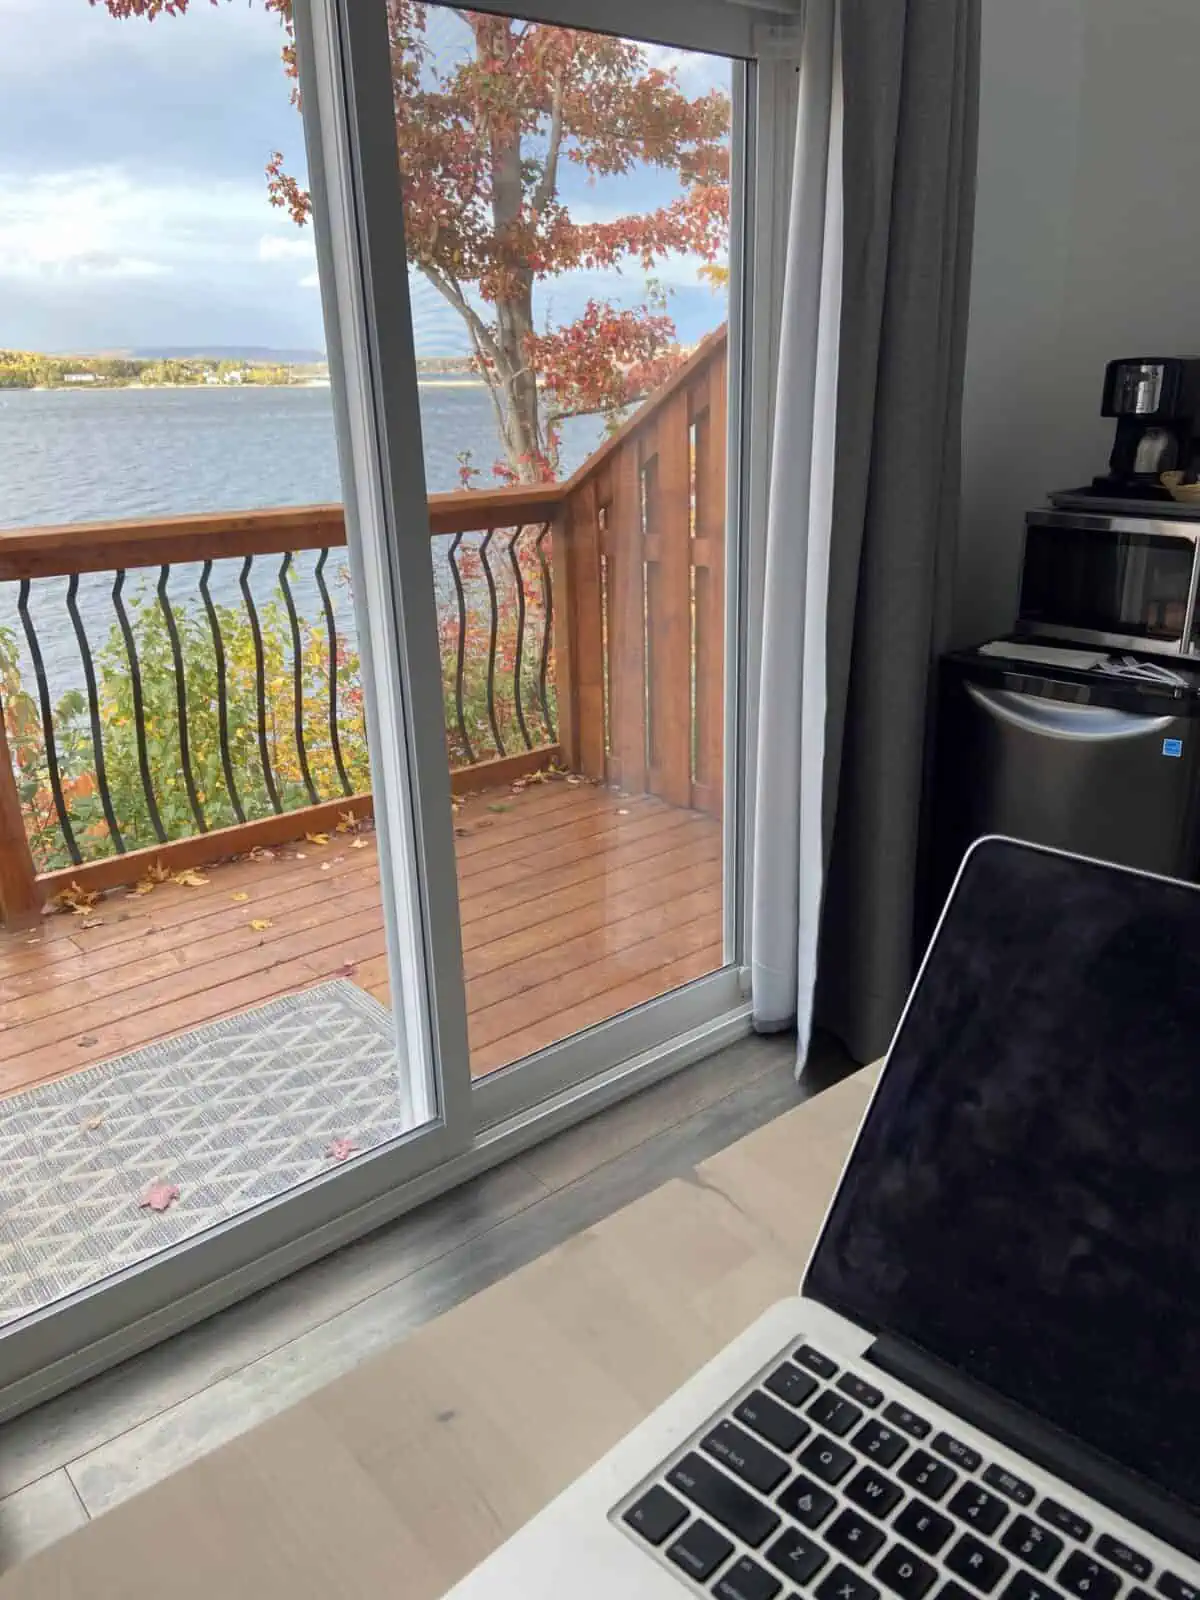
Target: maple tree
(483, 141)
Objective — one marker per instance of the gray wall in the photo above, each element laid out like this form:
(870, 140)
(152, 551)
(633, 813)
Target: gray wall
(1087, 247)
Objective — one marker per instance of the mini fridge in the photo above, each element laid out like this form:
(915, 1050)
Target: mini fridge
(1067, 747)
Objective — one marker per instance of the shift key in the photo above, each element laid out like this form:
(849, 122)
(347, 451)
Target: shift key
(723, 1500)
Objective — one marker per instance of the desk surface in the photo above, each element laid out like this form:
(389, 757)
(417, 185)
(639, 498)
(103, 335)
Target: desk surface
(397, 1478)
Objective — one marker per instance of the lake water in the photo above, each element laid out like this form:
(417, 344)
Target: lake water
(68, 456)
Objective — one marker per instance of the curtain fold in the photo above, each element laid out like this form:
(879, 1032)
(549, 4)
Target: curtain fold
(848, 692)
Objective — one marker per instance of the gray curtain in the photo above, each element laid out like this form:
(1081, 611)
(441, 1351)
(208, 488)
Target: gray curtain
(910, 75)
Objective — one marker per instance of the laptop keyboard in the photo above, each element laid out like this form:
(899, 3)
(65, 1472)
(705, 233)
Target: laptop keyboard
(815, 1486)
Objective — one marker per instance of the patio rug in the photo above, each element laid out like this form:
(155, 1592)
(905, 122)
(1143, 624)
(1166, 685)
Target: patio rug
(233, 1113)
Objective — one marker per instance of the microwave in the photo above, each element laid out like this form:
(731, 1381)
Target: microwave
(1121, 582)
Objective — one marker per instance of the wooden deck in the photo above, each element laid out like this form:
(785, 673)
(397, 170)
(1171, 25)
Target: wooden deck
(577, 903)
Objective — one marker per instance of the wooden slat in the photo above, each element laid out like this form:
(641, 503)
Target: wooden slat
(578, 635)
(19, 901)
(626, 626)
(669, 605)
(708, 555)
(475, 510)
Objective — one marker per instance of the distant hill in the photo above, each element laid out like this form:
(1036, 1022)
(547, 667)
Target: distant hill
(229, 352)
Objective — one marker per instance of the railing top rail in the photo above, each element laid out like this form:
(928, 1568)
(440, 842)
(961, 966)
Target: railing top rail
(58, 551)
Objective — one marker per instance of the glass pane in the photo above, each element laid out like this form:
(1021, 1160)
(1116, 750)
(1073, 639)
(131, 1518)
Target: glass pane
(566, 214)
(194, 962)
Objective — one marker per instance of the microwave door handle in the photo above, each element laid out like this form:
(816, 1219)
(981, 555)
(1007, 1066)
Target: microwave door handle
(1057, 719)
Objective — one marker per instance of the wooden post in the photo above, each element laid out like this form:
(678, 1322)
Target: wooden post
(20, 902)
(708, 556)
(578, 633)
(627, 620)
(669, 605)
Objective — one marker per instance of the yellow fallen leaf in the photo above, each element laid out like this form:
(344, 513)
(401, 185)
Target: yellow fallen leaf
(317, 838)
(189, 879)
(75, 899)
(347, 822)
(359, 844)
(158, 873)
(145, 886)
(261, 924)
(240, 896)
(88, 923)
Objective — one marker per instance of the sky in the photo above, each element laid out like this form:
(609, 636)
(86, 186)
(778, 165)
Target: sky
(133, 202)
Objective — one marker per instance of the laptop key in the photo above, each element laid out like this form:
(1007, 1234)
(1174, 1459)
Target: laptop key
(982, 1510)
(923, 1526)
(905, 1573)
(724, 1500)
(798, 1558)
(908, 1421)
(953, 1591)
(1008, 1483)
(790, 1384)
(1130, 1561)
(1036, 1546)
(772, 1422)
(844, 1584)
(1175, 1588)
(881, 1443)
(830, 1411)
(1024, 1586)
(746, 1457)
(977, 1562)
(873, 1492)
(806, 1502)
(746, 1580)
(933, 1478)
(854, 1536)
(859, 1389)
(954, 1450)
(700, 1550)
(1080, 1575)
(656, 1515)
(1070, 1523)
(827, 1459)
(815, 1361)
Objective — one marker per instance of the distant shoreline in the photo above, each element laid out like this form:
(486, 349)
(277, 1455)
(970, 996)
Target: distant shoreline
(432, 381)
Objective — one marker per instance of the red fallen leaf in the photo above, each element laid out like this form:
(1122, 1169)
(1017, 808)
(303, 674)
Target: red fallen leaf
(159, 1196)
(341, 1149)
(347, 969)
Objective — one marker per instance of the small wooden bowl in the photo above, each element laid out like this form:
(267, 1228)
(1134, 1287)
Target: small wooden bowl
(1187, 494)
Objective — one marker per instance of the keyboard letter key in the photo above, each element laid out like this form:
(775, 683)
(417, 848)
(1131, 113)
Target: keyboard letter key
(842, 1584)
(905, 1574)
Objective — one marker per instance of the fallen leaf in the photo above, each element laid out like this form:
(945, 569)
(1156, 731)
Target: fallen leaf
(75, 899)
(92, 1124)
(499, 805)
(146, 885)
(299, 856)
(572, 779)
(325, 866)
(347, 969)
(261, 853)
(240, 896)
(347, 822)
(89, 923)
(341, 1149)
(85, 1039)
(159, 873)
(159, 1196)
(360, 844)
(261, 924)
(622, 811)
(189, 879)
(317, 838)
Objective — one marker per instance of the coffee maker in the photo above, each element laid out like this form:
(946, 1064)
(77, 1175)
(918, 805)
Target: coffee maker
(1156, 401)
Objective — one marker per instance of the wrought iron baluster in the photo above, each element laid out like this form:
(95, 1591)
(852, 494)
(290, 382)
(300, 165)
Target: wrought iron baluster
(139, 706)
(46, 712)
(297, 678)
(185, 754)
(517, 654)
(260, 684)
(93, 700)
(461, 662)
(492, 640)
(214, 625)
(547, 625)
(331, 625)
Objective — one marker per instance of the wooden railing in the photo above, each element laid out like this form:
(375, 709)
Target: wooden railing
(581, 623)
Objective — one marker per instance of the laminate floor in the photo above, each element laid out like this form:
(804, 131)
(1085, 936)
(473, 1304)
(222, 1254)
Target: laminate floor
(88, 1450)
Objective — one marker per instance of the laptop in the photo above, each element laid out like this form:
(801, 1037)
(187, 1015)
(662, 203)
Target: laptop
(988, 1386)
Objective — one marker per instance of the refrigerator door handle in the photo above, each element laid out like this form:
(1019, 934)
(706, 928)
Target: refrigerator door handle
(1058, 719)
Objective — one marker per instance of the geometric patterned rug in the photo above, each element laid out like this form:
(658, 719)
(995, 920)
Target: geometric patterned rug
(233, 1114)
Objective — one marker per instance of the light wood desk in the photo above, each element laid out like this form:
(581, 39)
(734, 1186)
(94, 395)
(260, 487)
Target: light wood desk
(396, 1479)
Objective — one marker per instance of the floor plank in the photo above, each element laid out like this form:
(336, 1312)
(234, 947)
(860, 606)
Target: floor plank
(575, 903)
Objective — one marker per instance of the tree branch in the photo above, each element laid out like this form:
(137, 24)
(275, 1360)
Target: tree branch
(452, 293)
(544, 192)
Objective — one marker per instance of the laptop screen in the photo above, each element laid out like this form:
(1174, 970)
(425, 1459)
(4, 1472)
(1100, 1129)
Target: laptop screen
(1024, 1199)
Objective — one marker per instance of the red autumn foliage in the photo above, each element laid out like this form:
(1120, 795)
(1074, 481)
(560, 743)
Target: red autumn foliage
(482, 142)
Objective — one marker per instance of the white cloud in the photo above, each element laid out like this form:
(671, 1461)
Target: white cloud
(310, 281)
(278, 247)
